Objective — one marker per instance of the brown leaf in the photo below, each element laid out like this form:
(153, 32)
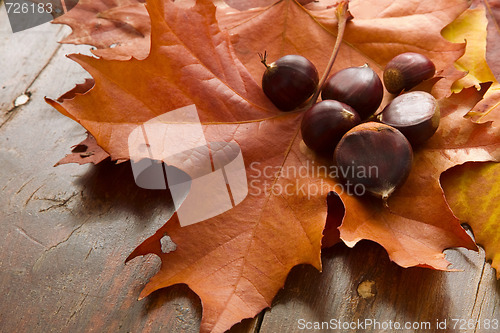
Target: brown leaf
(378, 36)
(135, 45)
(249, 4)
(380, 31)
(488, 109)
(119, 29)
(200, 70)
(419, 207)
(472, 189)
(87, 151)
(236, 261)
(472, 27)
(493, 39)
(242, 252)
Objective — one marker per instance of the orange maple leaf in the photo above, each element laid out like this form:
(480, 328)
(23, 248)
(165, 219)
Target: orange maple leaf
(119, 29)
(238, 260)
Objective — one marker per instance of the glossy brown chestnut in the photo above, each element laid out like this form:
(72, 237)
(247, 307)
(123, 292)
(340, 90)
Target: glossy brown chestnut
(324, 124)
(374, 156)
(359, 87)
(289, 81)
(416, 114)
(407, 70)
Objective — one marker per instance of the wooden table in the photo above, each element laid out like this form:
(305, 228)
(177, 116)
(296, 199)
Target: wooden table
(66, 231)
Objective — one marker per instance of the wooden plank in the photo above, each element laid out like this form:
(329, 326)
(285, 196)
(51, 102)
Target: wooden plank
(361, 284)
(66, 231)
(23, 55)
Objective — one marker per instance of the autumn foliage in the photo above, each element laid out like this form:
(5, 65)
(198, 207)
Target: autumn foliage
(169, 55)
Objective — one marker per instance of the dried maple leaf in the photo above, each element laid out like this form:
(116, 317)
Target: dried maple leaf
(238, 260)
(119, 29)
(488, 109)
(383, 30)
(380, 31)
(493, 46)
(249, 4)
(87, 151)
(200, 70)
(457, 141)
(473, 192)
(462, 183)
(135, 45)
(240, 264)
(472, 27)
(241, 258)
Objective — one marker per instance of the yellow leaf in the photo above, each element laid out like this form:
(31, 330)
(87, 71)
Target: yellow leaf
(485, 110)
(473, 193)
(471, 26)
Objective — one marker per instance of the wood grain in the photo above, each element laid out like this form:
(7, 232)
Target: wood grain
(413, 295)
(24, 55)
(66, 232)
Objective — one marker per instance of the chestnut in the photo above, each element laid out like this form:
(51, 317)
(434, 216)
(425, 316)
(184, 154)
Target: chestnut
(416, 114)
(406, 70)
(359, 87)
(289, 81)
(376, 157)
(324, 124)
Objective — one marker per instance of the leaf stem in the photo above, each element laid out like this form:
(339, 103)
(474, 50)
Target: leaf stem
(263, 58)
(343, 16)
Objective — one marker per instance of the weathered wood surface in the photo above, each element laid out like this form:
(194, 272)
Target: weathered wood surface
(66, 231)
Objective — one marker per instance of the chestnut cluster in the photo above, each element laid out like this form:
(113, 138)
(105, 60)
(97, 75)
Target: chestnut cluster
(343, 124)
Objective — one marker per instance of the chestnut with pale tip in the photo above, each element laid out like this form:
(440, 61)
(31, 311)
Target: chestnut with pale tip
(407, 70)
(375, 156)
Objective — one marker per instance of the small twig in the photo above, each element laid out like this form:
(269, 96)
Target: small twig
(343, 16)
